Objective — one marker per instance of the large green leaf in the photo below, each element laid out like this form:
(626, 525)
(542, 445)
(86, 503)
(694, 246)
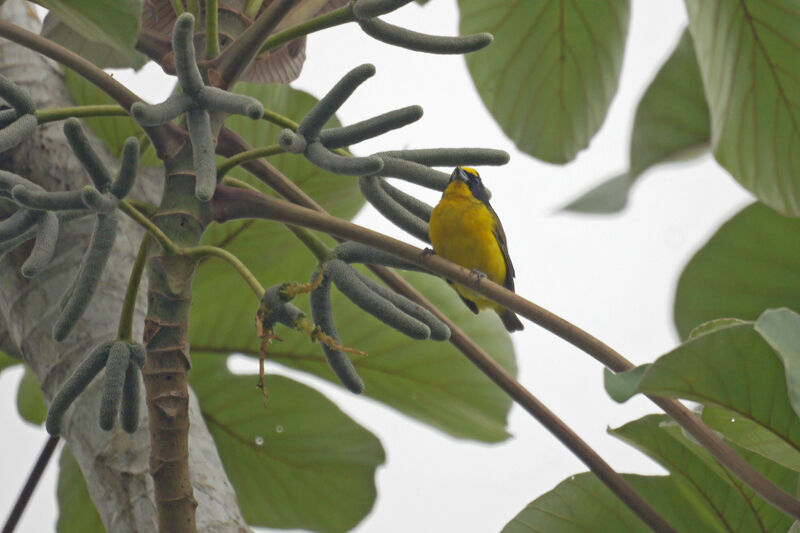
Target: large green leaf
(6, 361)
(583, 504)
(733, 368)
(101, 54)
(747, 51)
(725, 502)
(427, 380)
(751, 436)
(552, 70)
(698, 495)
(111, 130)
(749, 265)
(781, 329)
(672, 122)
(76, 511)
(30, 402)
(298, 462)
(114, 23)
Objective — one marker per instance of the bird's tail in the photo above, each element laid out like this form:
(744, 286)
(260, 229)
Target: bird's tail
(510, 321)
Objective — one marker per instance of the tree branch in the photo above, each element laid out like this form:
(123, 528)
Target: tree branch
(238, 203)
(30, 484)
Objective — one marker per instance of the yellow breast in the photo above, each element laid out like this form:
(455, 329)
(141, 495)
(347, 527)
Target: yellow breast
(462, 230)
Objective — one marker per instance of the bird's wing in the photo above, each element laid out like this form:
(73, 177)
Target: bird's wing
(500, 235)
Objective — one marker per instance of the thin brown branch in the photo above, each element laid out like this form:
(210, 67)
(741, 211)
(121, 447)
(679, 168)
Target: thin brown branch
(30, 484)
(496, 373)
(238, 203)
(166, 139)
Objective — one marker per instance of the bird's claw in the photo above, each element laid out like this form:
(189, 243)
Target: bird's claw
(478, 274)
(427, 251)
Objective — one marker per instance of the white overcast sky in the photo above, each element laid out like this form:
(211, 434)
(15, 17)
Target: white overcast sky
(613, 276)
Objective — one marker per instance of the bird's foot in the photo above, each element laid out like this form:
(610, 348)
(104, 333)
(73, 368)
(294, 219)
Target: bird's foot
(427, 251)
(478, 274)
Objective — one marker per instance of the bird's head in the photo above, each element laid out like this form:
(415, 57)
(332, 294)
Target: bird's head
(469, 177)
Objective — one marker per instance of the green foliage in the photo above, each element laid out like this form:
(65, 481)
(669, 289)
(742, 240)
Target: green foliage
(751, 436)
(76, 511)
(552, 70)
(622, 386)
(30, 402)
(749, 265)
(583, 504)
(298, 462)
(99, 53)
(6, 361)
(748, 57)
(698, 495)
(739, 369)
(725, 502)
(113, 24)
(671, 123)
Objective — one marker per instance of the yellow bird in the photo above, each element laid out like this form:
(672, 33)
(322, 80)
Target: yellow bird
(465, 229)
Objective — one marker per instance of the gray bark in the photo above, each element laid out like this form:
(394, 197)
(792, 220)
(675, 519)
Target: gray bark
(114, 463)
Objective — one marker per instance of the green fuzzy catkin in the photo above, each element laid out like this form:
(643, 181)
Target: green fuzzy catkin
(439, 330)
(9, 180)
(349, 166)
(290, 314)
(277, 309)
(17, 97)
(7, 116)
(372, 127)
(129, 410)
(367, 129)
(45, 246)
(413, 173)
(292, 142)
(9, 244)
(364, 9)
(416, 207)
(157, 114)
(129, 165)
(227, 102)
(331, 102)
(451, 157)
(203, 159)
(85, 373)
(355, 252)
(17, 131)
(322, 314)
(185, 62)
(138, 353)
(347, 281)
(18, 223)
(97, 201)
(392, 210)
(116, 368)
(47, 201)
(64, 216)
(422, 42)
(83, 150)
(105, 231)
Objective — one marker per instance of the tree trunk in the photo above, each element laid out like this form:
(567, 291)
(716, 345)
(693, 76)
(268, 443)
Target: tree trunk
(114, 463)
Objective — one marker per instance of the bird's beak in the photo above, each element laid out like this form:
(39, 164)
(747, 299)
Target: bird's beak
(459, 174)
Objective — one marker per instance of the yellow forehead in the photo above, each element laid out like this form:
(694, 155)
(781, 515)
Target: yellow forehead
(471, 171)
